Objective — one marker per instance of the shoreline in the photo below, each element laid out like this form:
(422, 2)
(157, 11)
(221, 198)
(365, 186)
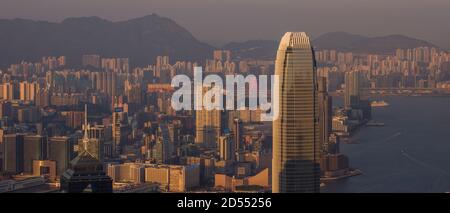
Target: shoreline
(334, 94)
(351, 173)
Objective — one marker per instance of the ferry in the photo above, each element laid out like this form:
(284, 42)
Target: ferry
(379, 104)
(375, 124)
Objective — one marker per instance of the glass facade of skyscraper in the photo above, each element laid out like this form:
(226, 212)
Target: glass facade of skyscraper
(296, 146)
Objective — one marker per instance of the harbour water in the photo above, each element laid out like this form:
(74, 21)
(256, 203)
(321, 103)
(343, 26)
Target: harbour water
(411, 153)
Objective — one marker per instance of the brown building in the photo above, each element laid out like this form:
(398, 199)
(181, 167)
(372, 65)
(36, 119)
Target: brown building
(46, 168)
(230, 183)
(173, 178)
(73, 119)
(206, 167)
(60, 149)
(5, 109)
(34, 148)
(333, 165)
(29, 114)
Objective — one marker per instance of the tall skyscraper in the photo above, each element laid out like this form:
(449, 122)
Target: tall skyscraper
(207, 127)
(121, 65)
(208, 124)
(94, 145)
(325, 112)
(161, 149)
(98, 133)
(86, 169)
(2, 157)
(109, 81)
(353, 81)
(237, 133)
(162, 61)
(162, 66)
(42, 98)
(226, 147)
(296, 142)
(91, 60)
(222, 55)
(356, 85)
(356, 93)
(60, 149)
(28, 91)
(34, 148)
(5, 109)
(119, 130)
(13, 153)
(8, 91)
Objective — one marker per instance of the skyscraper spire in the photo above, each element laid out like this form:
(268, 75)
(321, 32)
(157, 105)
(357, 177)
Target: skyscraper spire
(85, 122)
(86, 128)
(86, 169)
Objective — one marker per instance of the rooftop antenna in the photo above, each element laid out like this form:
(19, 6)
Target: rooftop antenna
(86, 127)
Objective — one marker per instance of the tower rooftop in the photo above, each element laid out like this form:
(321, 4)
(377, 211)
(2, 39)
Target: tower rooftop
(295, 39)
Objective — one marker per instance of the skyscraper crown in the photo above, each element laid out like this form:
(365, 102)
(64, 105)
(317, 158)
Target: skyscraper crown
(295, 39)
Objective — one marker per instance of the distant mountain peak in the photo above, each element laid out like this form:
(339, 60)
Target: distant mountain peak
(141, 39)
(150, 16)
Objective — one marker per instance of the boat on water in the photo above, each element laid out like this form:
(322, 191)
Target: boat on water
(379, 104)
(373, 123)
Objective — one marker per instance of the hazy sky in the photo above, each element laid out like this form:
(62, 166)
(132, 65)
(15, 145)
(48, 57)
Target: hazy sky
(218, 21)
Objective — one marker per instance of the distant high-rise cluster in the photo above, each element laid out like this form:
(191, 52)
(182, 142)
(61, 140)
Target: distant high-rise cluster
(221, 63)
(421, 67)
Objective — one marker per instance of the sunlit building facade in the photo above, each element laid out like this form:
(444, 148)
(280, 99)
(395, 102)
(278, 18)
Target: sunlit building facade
(296, 142)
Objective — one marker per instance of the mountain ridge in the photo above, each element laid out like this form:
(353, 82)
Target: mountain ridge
(340, 41)
(141, 39)
(265, 49)
(386, 44)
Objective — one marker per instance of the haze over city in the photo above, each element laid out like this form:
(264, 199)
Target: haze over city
(239, 20)
(218, 97)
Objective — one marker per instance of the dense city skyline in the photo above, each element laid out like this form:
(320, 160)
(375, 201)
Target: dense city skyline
(139, 103)
(419, 19)
(143, 144)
